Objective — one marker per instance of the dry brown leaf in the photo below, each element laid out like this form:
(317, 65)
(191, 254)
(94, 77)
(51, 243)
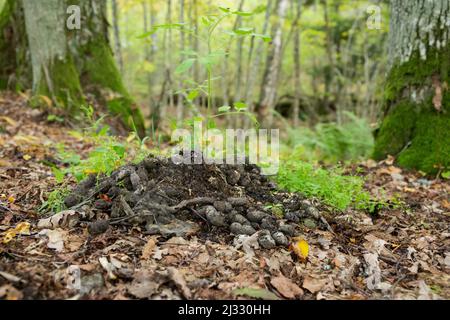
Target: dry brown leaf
(147, 251)
(177, 277)
(8, 292)
(313, 285)
(286, 287)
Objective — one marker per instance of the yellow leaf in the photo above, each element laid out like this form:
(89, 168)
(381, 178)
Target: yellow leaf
(89, 171)
(9, 120)
(46, 100)
(11, 199)
(27, 157)
(300, 247)
(9, 235)
(23, 228)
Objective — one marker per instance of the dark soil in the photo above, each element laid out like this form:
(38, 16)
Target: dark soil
(179, 199)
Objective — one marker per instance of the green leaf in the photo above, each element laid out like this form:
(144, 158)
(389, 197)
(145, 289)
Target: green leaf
(224, 109)
(446, 175)
(264, 37)
(243, 13)
(189, 53)
(184, 66)
(211, 124)
(192, 95)
(255, 293)
(226, 10)
(59, 174)
(240, 106)
(243, 31)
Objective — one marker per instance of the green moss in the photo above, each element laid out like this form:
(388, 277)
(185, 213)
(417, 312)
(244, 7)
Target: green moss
(7, 54)
(430, 147)
(100, 67)
(129, 113)
(66, 84)
(416, 133)
(396, 130)
(417, 72)
(100, 71)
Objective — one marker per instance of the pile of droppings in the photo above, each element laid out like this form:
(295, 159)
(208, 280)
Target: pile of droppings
(184, 199)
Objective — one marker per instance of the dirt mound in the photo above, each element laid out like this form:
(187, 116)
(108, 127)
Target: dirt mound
(183, 199)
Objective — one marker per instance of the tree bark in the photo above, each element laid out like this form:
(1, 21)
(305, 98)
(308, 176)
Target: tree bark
(416, 121)
(117, 41)
(64, 63)
(297, 88)
(270, 82)
(15, 69)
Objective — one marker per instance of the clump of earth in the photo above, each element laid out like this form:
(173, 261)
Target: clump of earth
(184, 199)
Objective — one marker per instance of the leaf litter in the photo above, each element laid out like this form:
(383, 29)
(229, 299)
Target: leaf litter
(400, 253)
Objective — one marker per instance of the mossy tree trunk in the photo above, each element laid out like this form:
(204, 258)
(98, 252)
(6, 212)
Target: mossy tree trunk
(54, 72)
(15, 72)
(416, 121)
(65, 64)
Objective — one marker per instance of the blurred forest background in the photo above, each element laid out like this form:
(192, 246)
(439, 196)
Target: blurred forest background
(319, 64)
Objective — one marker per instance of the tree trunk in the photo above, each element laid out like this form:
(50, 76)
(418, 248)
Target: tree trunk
(54, 72)
(254, 68)
(117, 41)
(270, 82)
(416, 123)
(64, 63)
(15, 70)
(297, 88)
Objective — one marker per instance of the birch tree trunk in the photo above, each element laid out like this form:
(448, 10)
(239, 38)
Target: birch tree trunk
(182, 40)
(254, 68)
(269, 90)
(117, 41)
(416, 120)
(297, 89)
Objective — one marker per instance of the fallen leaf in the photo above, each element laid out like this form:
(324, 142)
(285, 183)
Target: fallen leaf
(145, 284)
(11, 199)
(8, 292)
(8, 120)
(23, 228)
(300, 248)
(286, 287)
(26, 157)
(147, 251)
(313, 285)
(67, 218)
(108, 267)
(55, 238)
(10, 277)
(177, 277)
(257, 293)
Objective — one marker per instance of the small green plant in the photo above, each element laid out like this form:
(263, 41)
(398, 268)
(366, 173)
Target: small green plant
(55, 201)
(107, 155)
(210, 24)
(331, 186)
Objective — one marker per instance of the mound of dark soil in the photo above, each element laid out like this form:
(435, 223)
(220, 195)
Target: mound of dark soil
(179, 199)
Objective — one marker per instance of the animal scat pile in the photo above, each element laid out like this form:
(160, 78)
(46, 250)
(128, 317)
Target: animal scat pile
(181, 199)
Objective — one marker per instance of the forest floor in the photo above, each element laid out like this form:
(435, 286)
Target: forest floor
(401, 253)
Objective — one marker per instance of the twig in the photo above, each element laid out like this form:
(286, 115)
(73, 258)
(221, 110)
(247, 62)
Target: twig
(186, 203)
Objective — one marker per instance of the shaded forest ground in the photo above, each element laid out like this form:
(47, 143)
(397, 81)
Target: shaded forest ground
(395, 254)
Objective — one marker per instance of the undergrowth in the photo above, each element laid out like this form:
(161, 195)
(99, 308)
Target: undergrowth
(332, 142)
(331, 186)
